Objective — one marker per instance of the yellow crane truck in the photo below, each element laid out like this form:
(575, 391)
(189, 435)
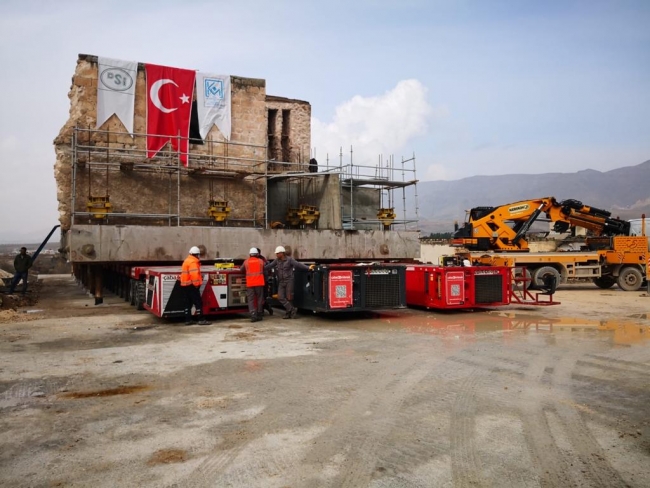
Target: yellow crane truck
(497, 236)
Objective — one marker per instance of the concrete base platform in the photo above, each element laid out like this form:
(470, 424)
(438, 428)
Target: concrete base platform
(107, 243)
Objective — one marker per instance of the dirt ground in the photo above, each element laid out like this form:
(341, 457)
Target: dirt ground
(105, 396)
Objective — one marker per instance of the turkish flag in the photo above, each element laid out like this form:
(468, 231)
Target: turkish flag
(169, 107)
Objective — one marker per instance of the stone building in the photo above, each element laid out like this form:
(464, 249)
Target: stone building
(117, 205)
(110, 163)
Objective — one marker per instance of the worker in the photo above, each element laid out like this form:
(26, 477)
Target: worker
(267, 303)
(254, 269)
(284, 266)
(22, 263)
(191, 281)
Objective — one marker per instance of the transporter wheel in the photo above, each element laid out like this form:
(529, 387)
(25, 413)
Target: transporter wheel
(541, 274)
(605, 282)
(522, 272)
(132, 292)
(140, 295)
(629, 279)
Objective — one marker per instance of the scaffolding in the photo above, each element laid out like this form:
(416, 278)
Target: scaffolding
(101, 157)
(384, 178)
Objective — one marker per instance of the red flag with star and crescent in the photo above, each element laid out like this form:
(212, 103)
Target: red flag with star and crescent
(169, 108)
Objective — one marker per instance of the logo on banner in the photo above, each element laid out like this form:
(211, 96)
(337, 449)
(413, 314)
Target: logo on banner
(213, 89)
(116, 79)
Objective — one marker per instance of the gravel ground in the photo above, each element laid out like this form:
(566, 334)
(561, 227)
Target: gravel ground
(105, 396)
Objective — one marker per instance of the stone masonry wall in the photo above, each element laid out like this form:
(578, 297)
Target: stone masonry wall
(290, 139)
(156, 191)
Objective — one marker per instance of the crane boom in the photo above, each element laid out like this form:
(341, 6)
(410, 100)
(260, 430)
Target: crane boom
(503, 228)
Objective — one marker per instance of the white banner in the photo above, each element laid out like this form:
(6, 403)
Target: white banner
(116, 91)
(213, 103)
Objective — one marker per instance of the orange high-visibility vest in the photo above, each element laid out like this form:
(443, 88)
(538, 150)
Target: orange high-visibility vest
(191, 272)
(254, 272)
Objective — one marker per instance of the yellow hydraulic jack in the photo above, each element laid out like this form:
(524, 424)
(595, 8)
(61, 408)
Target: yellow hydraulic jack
(99, 207)
(293, 217)
(308, 214)
(386, 216)
(218, 210)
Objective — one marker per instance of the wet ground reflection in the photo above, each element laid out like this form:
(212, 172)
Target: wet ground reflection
(465, 326)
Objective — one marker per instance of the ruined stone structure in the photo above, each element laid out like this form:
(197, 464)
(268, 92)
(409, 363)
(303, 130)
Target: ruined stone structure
(153, 209)
(218, 169)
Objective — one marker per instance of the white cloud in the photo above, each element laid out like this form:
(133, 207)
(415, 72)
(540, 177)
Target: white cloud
(373, 126)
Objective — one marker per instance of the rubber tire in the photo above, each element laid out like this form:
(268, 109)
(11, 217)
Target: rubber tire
(132, 292)
(604, 282)
(540, 273)
(629, 279)
(140, 294)
(518, 286)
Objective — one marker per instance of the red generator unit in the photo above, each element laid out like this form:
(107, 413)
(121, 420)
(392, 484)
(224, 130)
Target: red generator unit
(223, 291)
(350, 287)
(457, 287)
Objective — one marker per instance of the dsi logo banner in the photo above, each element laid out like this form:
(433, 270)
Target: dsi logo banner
(116, 91)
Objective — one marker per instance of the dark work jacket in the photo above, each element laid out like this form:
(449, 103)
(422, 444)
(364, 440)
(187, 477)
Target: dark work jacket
(22, 263)
(284, 268)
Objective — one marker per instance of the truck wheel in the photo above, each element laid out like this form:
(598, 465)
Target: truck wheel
(132, 292)
(605, 282)
(140, 295)
(522, 273)
(544, 272)
(629, 279)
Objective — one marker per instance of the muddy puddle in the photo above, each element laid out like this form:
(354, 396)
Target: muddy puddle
(463, 324)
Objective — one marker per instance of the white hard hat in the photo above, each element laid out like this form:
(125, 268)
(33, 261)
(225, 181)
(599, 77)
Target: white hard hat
(195, 250)
(280, 249)
(253, 251)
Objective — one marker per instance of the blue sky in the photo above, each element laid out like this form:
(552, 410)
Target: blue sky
(472, 87)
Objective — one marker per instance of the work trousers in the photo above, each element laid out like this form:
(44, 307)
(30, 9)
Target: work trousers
(192, 298)
(16, 279)
(255, 299)
(285, 294)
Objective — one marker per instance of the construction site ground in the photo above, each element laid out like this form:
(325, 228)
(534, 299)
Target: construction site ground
(106, 396)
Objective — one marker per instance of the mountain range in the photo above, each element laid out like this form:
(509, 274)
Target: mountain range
(624, 191)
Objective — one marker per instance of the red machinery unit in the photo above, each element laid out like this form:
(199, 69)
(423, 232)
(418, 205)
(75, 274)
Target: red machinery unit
(223, 291)
(350, 287)
(456, 287)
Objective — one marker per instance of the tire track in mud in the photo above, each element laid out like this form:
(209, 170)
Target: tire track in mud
(584, 445)
(29, 391)
(481, 395)
(571, 454)
(448, 388)
(386, 388)
(548, 461)
(240, 466)
(621, 363)
(447, 399)
(385, 396)
(465, 464)
(434, 388)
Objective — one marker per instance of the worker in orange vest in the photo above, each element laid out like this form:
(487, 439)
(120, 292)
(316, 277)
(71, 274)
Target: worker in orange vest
(191, 281)
(254, 269)
(267, 302)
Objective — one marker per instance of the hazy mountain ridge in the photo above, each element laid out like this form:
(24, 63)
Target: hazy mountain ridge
(623, 191)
